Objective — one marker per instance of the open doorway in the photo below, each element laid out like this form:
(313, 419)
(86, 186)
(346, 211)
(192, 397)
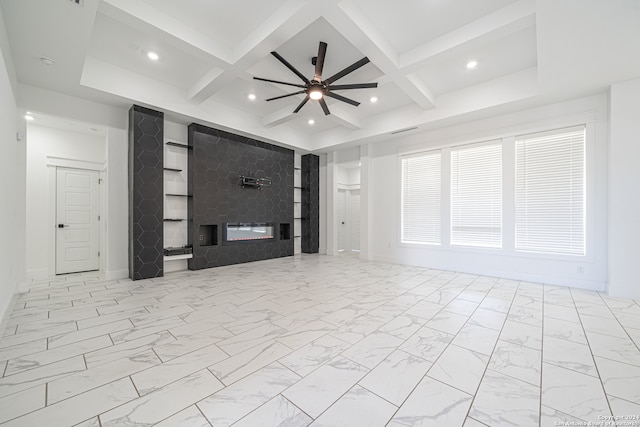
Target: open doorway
(348, 208)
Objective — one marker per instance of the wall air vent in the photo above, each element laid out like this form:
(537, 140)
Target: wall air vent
(403, 130)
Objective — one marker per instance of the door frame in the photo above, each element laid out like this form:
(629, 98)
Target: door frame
(53, 163)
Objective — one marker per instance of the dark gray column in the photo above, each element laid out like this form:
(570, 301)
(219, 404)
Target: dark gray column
(310, 166)
(146, 149)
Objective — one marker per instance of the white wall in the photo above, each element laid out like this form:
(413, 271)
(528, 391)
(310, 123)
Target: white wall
(12, 256)
(117, 213)
(323, 203)
(383, 189)
(44, 143)
(624, 190)
(116, 122)
(349, 176)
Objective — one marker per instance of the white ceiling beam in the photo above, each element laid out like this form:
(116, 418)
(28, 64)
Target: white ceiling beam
(144, 12)
(508, 19)
(417, 90)
(344, 116)
(356, 28)
(284, 24)
(350, 21)
(205, 86)
(279, 117)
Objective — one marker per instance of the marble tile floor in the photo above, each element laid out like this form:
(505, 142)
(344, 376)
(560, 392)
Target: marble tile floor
(321, 341)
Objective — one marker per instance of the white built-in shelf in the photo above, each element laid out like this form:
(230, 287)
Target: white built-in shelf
(177, 144)
(176, 257)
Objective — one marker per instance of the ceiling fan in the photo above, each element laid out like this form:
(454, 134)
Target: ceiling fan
(317, 88)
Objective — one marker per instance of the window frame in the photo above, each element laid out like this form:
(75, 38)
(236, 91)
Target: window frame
(499, 144)
(401, 159)
(585, 191)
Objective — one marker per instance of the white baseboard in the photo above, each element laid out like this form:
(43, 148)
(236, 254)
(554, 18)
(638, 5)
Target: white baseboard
(5, 310)
(116, 274)
(587, 284)
(23, 287)
(38, 274)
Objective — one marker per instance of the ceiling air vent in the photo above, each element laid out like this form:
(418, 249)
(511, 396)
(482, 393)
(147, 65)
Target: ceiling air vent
(403, 130)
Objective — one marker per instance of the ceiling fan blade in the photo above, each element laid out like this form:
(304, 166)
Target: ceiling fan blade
(342, 98)
(351, 68)
(291, 67)
(354, 86)
(322, 51)
(323, 104)
(279, 82)
(304, 101)
(284, 96)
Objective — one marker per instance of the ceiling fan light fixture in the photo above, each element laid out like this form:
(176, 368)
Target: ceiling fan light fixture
(315, 94)
(318, 88)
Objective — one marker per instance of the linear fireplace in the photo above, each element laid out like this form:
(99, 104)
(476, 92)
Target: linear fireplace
(246, 232)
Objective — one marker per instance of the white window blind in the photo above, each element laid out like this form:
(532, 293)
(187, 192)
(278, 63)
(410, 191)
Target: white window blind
(476, 195)
(421, 198)
(550, 192)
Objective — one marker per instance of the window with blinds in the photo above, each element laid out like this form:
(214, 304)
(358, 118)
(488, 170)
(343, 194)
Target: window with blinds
(421, 179)
(550, 192)
(476, 195)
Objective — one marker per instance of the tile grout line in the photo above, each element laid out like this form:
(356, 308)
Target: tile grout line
(541, 358)
(473, 399)
(432, 364)
(591, 351)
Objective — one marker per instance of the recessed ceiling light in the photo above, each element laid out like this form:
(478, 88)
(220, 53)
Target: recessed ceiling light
(311, 121)
(28, 117)
(471, 65)
(373, 99)
(47, 61)
(252, 96)
(153, 56)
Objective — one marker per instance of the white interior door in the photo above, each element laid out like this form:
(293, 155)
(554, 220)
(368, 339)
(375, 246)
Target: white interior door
(77, 226)
(341, 211)
(354, 220)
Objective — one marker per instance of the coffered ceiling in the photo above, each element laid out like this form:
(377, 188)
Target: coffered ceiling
(527, 52)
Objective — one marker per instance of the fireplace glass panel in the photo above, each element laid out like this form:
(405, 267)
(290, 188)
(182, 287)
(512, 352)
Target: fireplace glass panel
(240, 232)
